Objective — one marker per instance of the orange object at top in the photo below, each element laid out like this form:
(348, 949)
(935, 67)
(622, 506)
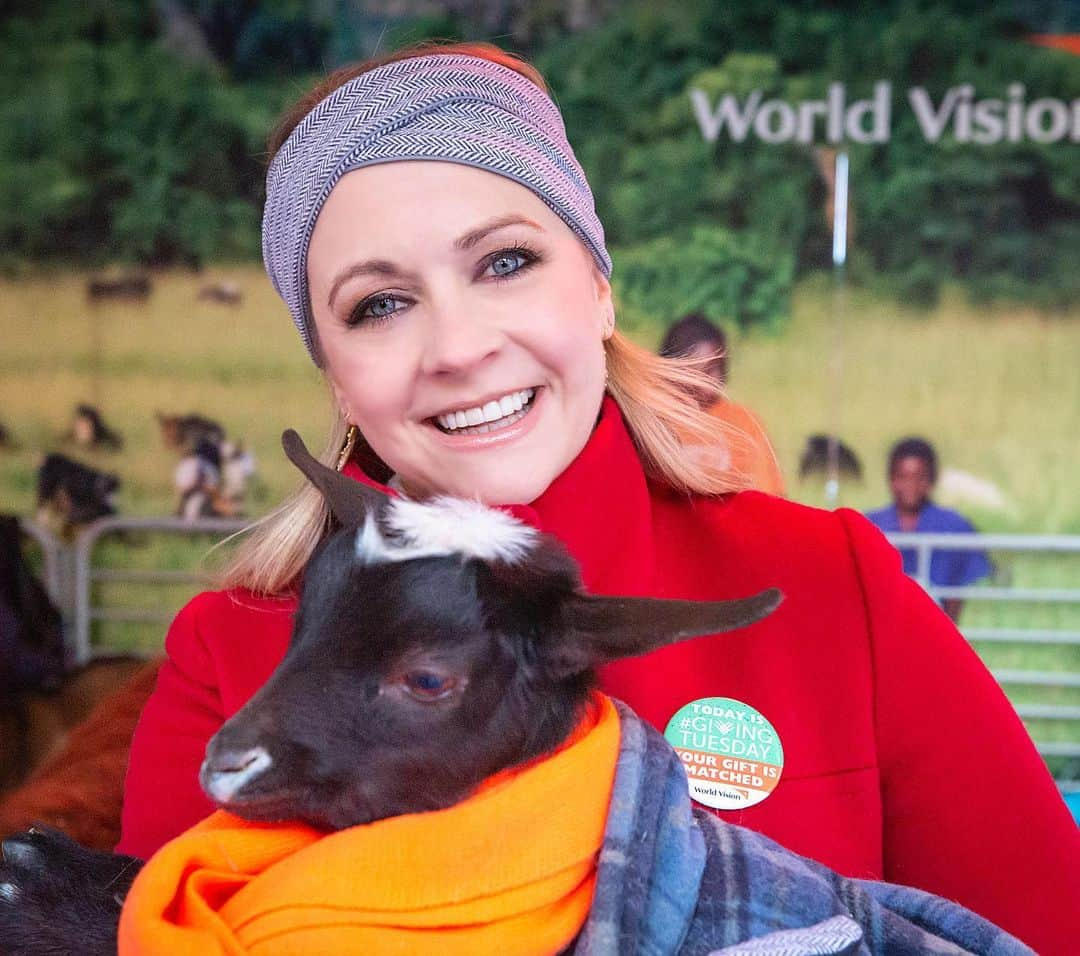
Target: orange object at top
(487, 875)
(751, 452)
(1068, 42)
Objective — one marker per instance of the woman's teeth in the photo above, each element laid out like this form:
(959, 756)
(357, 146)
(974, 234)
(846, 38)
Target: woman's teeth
(490, 417)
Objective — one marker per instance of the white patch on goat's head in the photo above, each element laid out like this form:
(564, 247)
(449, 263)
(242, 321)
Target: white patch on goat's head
(443, 526)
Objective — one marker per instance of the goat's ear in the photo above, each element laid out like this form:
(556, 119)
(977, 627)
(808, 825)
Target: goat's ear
(603, 629)
(350, 501)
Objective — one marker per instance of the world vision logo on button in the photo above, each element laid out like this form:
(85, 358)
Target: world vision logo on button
(731, 754)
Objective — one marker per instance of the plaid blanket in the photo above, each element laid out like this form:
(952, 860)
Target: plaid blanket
(675, 879)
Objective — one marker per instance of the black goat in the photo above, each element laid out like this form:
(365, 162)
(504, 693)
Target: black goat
(70, 493)
(424, 630)
(816, 455)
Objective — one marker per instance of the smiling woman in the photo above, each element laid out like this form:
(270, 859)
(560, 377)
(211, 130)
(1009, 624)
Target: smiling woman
(446, 266)
(436, 243)
(464, 320)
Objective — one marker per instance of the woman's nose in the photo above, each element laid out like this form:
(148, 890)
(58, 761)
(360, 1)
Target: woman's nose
(459, 339)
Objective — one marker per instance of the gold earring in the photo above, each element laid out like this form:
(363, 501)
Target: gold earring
(351, 437)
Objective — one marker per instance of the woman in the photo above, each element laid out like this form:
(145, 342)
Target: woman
(436, 243)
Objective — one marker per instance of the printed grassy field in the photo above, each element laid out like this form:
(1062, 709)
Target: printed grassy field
(996, 389)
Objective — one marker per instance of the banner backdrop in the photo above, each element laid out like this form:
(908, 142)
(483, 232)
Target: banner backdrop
(132, 156)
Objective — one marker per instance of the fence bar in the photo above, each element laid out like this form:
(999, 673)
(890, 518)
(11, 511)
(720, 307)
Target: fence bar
(1047, 711)
(1019, 595)
(1019, 635)
(923, 544)
(50, 551)
(1037, 678)
(986, 542)
(1059, 750)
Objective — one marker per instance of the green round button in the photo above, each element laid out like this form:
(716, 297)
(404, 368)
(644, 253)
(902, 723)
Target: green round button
(732, 755)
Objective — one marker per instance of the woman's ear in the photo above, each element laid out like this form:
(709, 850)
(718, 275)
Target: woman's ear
(605, 302)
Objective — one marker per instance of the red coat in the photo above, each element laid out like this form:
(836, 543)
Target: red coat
(903, 759)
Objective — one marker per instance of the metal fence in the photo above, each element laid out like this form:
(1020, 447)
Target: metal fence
(85, 612)
(924, 546)
(71, 576)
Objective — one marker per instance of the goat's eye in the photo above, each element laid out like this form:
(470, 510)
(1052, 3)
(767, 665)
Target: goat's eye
(428, 685)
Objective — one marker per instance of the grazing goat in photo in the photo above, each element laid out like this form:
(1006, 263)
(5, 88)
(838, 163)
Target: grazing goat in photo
(435, 644)
(815, 456)
(136, 286)
(71, 494)
(88, 430)
(7, 440)
(223, 293)
(184, 432)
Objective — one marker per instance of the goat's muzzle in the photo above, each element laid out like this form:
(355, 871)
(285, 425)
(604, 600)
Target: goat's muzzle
(225, 773)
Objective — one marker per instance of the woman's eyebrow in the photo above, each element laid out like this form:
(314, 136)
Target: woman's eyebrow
(473, 236)
(383, 267)
(377, 267)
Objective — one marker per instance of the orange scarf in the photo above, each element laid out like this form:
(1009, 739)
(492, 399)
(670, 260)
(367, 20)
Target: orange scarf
(509, 870)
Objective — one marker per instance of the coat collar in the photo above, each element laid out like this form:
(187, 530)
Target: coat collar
(600, 508)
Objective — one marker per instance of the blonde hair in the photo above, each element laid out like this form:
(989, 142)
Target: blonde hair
(660, 398)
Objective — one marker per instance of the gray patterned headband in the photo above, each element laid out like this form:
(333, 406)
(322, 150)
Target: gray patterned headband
(445, 107)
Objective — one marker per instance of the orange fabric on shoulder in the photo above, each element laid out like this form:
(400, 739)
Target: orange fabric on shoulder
(490, 874)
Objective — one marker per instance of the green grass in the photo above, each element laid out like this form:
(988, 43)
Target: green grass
(996, 389)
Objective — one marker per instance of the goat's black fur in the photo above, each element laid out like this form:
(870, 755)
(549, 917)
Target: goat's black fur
(59, 898)
(406, 684)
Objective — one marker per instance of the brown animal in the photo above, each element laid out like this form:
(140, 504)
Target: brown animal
(35, 724)
(184, 432)
(135, 286)
(7, 440)
(79, 787)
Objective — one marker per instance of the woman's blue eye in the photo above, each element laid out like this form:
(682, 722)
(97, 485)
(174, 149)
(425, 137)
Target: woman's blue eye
(382, 305)
(377, 308)
(512, 262)
(506, 263)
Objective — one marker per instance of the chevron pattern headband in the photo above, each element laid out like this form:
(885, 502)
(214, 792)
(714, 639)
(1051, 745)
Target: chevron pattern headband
(444, 107)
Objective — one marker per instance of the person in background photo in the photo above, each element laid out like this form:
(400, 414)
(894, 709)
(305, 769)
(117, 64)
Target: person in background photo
(912, 474)
(750, 452)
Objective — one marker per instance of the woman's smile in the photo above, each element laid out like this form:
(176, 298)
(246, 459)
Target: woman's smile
(497, 427)
(487, 416)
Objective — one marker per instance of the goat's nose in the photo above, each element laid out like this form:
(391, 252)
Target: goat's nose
(224, 774)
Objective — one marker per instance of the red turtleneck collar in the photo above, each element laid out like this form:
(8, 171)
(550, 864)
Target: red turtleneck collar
(599, 508)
